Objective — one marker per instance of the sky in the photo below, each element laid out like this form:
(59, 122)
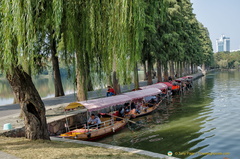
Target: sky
(221, 17)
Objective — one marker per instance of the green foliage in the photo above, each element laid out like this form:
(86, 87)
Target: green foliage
(106, 35)
(101, 36)
(227, 60)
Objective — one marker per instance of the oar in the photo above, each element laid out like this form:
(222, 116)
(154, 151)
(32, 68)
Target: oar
(122, 118)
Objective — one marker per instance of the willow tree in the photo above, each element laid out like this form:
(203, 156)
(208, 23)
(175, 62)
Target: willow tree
(98, 36)
(19, 22)
(48, 40)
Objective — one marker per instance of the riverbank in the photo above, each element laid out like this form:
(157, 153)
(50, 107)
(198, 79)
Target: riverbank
(62, 148)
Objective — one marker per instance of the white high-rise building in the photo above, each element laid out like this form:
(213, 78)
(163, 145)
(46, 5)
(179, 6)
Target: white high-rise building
(223, 44)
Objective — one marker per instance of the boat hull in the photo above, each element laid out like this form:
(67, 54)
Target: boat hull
(94, 134)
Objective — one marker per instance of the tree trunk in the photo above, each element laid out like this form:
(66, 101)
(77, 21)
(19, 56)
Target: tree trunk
(56, 71)
(136, 79)
(81, 80)
(180, 69)
(159, 71)
(192, 68)
(116, 86)
(177, 69)
(31, 104)
(183, 69)
(172, 69)
(149, 77)
(203, 67)
(188, 68)
(87, 71)
(145, 71)
(165, 72)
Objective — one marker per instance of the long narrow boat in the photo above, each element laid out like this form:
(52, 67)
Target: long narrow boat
(139, 96)
(108, 126)
(166, 93)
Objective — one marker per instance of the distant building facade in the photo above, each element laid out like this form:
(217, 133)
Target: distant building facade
(223, 44)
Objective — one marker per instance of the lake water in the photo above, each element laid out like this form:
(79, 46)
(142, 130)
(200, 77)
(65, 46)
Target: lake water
(45, 86)
(202, 123)
(43, 83)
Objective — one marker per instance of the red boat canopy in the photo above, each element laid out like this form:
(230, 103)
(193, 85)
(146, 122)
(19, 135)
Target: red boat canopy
(160, 86)
(167, 83)
(142, 93)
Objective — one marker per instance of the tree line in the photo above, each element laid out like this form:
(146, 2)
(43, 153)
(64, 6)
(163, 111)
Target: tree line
(227, 60)
(99, 40)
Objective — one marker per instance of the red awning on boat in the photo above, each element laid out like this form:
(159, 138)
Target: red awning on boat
(142, 93)
(160, 86)
(101, 103)
(167, 83)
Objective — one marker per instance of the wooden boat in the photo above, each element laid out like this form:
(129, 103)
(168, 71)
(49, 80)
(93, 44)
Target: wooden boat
(147, 110)
(140, 98)
(165, 92)
(108, 126)
(110, 123)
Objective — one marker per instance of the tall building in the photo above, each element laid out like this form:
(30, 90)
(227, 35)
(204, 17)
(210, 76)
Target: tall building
(223, 44)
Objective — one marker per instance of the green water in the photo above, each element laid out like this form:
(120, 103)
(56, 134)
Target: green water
(202, 123)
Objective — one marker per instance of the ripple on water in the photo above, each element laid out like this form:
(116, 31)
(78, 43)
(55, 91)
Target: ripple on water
(205, 120)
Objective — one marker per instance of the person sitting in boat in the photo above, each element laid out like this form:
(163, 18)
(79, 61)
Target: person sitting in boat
(138, 107)
(151, 102)
(124, 110)
(94, 121)
(133, 110)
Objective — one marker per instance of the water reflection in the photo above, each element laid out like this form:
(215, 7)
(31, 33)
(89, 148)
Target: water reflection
(43, 83)
(45, 86)
(203, 120)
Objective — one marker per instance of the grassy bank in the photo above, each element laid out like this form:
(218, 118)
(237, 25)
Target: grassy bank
(27, 149)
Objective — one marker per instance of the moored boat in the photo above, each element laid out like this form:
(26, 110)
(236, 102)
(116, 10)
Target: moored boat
(141, 99)
(108, 125)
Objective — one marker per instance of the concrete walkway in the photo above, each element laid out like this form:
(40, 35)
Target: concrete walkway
(131, 150)
(4, 155)
(11, 109)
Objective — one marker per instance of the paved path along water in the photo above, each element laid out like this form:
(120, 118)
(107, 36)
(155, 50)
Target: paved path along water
(10, 109)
